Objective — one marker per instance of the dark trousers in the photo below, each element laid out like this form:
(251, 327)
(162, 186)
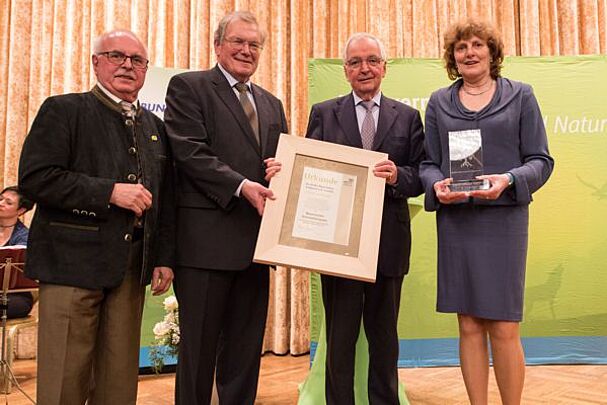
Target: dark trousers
(345, 302)
(19, 304)
(222, 317)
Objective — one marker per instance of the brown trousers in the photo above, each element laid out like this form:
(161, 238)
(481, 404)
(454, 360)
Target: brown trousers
(88, 341)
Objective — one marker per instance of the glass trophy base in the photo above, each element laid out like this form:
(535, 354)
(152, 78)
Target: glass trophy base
(469, 185)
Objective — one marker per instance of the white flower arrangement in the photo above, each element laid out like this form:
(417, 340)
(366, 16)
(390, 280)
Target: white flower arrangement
(166, 334)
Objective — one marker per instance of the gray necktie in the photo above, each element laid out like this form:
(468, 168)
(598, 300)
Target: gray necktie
(247, 106)
(367, 133)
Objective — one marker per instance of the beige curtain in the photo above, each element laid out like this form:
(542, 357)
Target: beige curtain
(45, 48)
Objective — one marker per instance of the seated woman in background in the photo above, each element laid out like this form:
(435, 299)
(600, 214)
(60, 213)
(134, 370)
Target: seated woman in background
(14, 232)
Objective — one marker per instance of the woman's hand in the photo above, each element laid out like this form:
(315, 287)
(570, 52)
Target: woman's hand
(497, 184)
(446, 196)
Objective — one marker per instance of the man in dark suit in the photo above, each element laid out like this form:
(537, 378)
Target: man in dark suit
(223, 131)
(367, 119)
(99, 168)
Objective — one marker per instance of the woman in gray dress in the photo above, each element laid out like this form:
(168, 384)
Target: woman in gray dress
(482, 234)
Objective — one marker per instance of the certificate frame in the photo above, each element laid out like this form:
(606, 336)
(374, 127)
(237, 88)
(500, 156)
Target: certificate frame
(352, 255)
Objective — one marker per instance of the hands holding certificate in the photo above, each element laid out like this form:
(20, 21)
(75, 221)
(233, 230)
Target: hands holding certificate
(387, 170)
(256, 193)
(272, 167)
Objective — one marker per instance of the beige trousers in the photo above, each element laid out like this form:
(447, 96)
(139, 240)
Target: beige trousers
(88, 342)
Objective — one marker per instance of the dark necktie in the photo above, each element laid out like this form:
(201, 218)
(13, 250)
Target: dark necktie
(129, 111)
(248, 108)
(367, 132)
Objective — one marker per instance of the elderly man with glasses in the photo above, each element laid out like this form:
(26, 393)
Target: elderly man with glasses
(99, 168)
(367, 119)
(223, 131)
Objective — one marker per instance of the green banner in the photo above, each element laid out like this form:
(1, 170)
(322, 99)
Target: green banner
(151, 97)
(565, 314)
(567, 260)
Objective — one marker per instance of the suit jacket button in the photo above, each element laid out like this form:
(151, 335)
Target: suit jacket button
(92, 214)
(132, 177)
(75, 211)
(83, 212)
(132, 150)
(128, 237)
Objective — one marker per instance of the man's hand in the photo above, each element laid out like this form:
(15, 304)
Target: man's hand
(132, 197)
(272, 167)
(161, 280)
(387, 170)
(256, 194)
(446, 196)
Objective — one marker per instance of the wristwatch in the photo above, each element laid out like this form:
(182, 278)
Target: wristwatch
(510, 178)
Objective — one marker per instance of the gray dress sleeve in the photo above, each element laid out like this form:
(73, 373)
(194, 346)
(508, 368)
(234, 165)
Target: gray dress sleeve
(429, 169)
(537, 162)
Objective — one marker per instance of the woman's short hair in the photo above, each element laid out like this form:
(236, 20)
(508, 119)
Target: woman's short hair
(467, 29)
(24, 202)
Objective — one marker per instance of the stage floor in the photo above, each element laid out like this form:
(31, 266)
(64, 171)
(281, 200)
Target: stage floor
(281, 375)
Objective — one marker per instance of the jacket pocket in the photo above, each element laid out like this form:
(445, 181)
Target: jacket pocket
(89, 228)
(195, 200)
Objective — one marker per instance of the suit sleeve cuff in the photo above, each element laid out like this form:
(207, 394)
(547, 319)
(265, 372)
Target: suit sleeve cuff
(237, 192)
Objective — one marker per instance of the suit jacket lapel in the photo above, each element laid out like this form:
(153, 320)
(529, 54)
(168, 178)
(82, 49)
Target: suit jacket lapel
(387, 116)
(263, 107)
(226, 94)
(346, 116)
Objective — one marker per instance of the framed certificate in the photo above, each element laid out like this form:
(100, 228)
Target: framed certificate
(328, 209)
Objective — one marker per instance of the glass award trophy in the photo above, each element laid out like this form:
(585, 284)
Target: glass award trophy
(466, 160)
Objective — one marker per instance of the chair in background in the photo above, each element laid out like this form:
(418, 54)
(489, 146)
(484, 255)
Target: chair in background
(11, 272)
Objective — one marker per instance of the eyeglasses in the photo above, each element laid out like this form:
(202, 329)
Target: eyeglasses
(118, 58)
(356, 63)
(239, 43)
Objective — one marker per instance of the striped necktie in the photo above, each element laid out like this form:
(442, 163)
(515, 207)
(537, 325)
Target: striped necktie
(248, 108)
(367, 133)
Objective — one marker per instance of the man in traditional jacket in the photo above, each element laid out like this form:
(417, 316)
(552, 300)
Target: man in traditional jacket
(99, 168)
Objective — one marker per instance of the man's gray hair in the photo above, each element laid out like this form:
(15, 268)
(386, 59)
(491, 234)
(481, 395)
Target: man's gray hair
(361, 35)
(245, 16)
(100, 40)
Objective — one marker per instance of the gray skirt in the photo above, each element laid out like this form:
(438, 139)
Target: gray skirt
(482, 252)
